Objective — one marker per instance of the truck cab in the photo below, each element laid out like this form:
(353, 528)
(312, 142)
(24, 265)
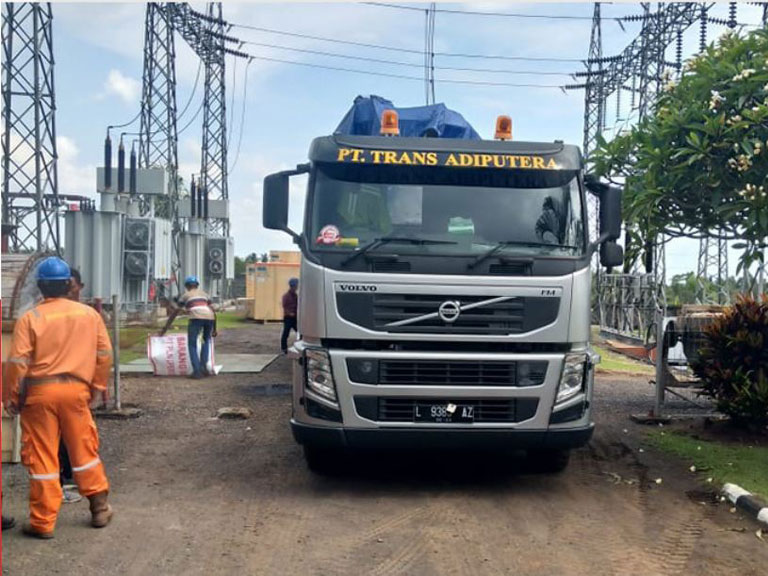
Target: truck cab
(445, 295)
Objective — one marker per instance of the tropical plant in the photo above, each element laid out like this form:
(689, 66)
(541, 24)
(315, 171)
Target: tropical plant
(697, 166)
(733, 361)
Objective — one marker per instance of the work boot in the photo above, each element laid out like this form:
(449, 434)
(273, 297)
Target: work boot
(101, 511)
(8, 522)
(33, 532)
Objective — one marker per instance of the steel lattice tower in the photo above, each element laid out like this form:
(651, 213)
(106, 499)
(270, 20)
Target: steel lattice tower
(429, 54)
(158, 140)
(594, 101)
(30, 180)
(713, 256)
(594, 109)
(213, 170)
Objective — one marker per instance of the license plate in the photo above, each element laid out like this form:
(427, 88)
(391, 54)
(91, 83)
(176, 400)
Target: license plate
(444, 413)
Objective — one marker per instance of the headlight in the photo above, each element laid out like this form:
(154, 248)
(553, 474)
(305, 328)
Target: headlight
(319, 376)
(572, 379)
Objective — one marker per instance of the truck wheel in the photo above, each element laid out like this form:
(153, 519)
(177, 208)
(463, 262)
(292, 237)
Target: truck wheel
(549, 461)
(323, 461)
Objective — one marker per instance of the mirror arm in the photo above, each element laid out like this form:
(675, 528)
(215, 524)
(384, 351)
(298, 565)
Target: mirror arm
(596, 244)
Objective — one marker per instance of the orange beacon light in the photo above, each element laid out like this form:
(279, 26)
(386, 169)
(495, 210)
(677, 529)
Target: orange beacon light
(390, 125)
(503, 128)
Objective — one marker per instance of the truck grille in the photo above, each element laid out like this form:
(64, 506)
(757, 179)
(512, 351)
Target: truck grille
(418, 313)
(460, 373)
(495, 410)
(504, 317)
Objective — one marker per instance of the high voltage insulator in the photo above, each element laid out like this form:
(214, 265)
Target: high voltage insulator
(703, 30)
(732, 15)
(679, 50)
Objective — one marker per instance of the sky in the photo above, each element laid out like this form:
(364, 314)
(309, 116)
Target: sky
(276, 108)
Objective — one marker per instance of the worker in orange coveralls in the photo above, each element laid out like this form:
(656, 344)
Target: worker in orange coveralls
(60, 359)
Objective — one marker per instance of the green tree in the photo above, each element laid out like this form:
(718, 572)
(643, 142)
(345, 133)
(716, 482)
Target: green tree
(241, 262)
(697, 166)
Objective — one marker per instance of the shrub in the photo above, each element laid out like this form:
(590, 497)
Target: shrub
(733, 361)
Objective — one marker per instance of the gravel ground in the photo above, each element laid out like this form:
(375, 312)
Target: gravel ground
(197, 495)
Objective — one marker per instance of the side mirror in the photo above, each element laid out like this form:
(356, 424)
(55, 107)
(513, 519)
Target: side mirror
(610, 213)
(275, 199)
(275, 212)
(611, 254)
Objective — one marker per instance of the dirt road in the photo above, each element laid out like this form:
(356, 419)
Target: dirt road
(197, 495)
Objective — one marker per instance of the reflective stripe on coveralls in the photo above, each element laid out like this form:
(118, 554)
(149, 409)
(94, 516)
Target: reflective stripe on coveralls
(67, 353)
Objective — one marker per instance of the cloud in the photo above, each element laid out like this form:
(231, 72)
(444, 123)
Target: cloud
(124, 87)
(246, 208)
(74, 177)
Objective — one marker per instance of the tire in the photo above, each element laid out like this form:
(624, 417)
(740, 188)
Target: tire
(323, 461)
(549, 461)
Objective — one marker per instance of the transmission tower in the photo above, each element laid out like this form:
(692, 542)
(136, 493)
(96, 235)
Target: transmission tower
(158, 138)
(429, 54)
(213, 171)
(712, 267)
(594, 109)
(30, 180)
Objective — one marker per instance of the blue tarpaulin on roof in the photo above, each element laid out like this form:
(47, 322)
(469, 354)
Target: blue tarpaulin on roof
(364, 119)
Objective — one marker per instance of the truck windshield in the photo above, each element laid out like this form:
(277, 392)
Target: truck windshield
(452, 211)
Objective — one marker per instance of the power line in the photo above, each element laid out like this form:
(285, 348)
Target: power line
(405, 77)
(242, 118)
(126, 124)
(401, 63)
(404, 50)
(188, 124)
(232, 102)
(194, 89)
(480, 13)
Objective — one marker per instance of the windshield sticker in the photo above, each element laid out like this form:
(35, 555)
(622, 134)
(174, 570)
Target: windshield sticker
(328, 235)
(459, 160)
(348, 242)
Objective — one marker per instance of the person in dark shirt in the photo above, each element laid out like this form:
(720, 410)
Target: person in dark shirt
(66, 476)
(290, 309)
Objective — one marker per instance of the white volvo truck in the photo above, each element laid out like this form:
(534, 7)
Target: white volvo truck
(445, 295)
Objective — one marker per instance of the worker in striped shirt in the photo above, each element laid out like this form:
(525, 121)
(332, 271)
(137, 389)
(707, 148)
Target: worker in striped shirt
(202, 320)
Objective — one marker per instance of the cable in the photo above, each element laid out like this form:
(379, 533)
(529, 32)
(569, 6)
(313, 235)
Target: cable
(138, 114)
(406, 64)
(242, 119)
(403, 76)
(479, 13)
(232, 102)
(188, 124)
(403, 50)
(194, 89)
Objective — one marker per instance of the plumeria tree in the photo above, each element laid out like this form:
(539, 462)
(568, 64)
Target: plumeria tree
(697, 166)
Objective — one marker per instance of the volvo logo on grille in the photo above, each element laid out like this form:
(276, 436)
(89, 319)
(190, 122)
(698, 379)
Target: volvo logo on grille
(449, 311)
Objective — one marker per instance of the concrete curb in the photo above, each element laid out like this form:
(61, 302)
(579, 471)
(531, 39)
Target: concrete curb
(747, 502)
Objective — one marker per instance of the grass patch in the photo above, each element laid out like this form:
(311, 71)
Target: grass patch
(133, 339)
(744, 465)
(614, 362)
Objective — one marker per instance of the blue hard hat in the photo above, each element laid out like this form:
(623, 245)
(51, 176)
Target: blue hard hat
(53, 268)
(191, 280)
(293, 282)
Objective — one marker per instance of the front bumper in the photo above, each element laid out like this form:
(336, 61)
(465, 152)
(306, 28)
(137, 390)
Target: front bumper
(504, 438)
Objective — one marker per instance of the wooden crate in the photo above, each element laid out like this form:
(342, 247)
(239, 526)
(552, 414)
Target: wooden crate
(11, 426)
(268, 282)
(285, 256)
(11, 439)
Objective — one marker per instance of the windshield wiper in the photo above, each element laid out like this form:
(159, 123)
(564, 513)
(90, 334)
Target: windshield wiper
(501, 245)
(385, 240)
